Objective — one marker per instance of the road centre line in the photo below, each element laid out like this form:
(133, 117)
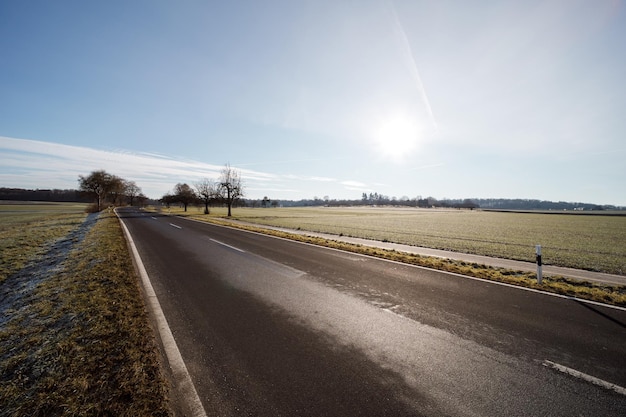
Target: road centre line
(580, 375)
(153, 218)
(175, 225)
(228, 246)
(177, 365)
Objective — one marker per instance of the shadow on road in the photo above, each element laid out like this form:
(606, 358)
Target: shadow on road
(606, 316)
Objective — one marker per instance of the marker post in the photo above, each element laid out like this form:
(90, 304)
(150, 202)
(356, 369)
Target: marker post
(539, 272)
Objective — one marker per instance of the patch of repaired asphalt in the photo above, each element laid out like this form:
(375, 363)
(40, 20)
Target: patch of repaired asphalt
(15, 291)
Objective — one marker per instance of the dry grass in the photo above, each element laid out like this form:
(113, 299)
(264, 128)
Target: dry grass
(591, 242)
(79, 343)
(26, 230)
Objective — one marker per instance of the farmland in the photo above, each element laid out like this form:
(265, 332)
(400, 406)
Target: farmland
(26, 230)
(591, 242)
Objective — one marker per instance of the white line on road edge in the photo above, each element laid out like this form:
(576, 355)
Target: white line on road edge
(485, 280)
(573, 372)
(175, 225)
(179, 370)
(228, 246)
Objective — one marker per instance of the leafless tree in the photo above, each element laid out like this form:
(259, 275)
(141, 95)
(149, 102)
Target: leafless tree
(230, 186)
(117, 190)
(132, 191)
(184, 194)
(98, 183)
(207, 191)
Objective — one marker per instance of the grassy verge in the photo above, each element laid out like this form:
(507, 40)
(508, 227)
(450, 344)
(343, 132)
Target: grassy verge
(590, 242)
(615, 295)
(80, 344)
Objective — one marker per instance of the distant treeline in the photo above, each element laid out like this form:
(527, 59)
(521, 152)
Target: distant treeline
(372, 199)
(521, 204)
(375, 199)
(19, 194)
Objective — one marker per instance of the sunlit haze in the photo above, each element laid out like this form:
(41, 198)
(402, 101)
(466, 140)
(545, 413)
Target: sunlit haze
(456, 99)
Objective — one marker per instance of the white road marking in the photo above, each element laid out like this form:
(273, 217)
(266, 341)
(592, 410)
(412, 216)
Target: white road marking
(486, 281)
(175, 225)
(228, 246)
(577, 374)
(153, 218)
(175, 359)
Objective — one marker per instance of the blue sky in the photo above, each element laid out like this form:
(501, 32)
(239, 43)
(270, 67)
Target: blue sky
(319, 98)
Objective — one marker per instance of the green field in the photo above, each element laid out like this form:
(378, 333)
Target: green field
(591, 242)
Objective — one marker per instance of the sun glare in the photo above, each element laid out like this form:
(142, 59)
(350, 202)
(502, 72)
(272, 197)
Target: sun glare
(397, 137)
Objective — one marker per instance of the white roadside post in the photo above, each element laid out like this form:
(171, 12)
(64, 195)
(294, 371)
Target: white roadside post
(538, 253)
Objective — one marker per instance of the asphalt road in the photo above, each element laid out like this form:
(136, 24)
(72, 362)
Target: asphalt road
(579, 274)
(272, 327)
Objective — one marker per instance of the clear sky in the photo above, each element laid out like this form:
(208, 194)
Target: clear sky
(450, 99)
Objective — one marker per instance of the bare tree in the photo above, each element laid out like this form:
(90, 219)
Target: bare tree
(98, 183)
(184, 194)
(207, 191)
(132, 191)
(117, 189)
(168, 199)
(230, 186)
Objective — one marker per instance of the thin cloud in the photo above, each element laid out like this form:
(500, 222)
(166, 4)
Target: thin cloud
(322, 179)
(291, 161)
(36, 164)
(308, 178)
(353, 184)
(426, 167)
(270, 189)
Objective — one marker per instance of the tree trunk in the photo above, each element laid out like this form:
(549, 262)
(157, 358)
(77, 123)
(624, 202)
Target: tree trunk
(230, 201)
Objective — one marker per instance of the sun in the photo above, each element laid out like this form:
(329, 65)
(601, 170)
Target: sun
(397, 137)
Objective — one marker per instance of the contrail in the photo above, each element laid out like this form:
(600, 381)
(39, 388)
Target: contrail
(410, 59)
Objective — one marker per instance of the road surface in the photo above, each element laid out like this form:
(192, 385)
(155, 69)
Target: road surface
(268, 326)
(578, 274)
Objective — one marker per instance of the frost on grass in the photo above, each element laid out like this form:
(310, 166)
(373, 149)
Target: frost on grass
(16, 290)
(75, 339)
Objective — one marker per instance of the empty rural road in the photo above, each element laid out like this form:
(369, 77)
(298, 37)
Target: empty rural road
(273, 327)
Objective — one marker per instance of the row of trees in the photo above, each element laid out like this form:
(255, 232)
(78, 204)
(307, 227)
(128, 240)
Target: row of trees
(109, 188)
(419, 201)
(376, 199)
(227, 189)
